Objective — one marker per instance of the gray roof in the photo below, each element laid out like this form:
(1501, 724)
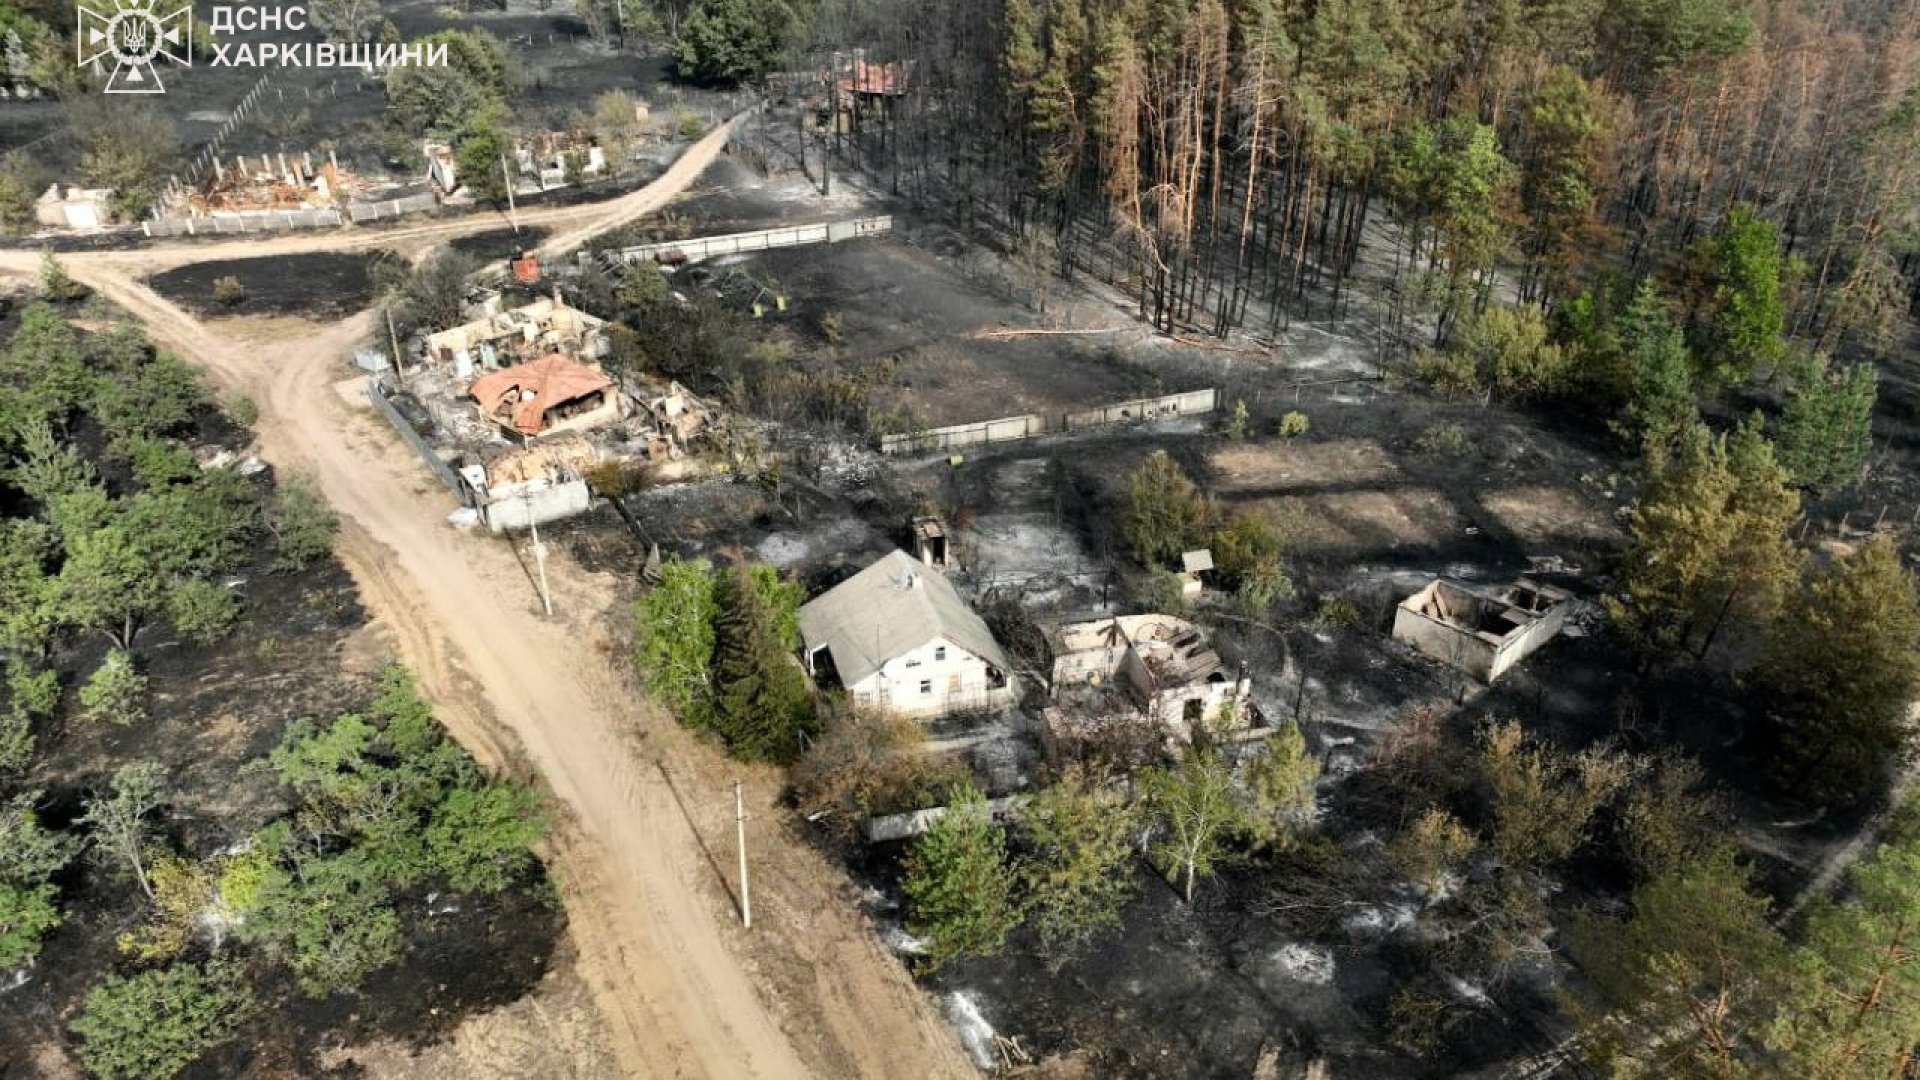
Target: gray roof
(890, 608)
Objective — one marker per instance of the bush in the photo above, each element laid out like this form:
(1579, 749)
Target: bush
(228, 291)
(33, 693)
(1443, 441)
(618, 479)
(241, 410)
(1335, 613)
(1511, 346)
(116, 691)
(1293, 425)
(202, 610)
(27, 912)
(301, 523)
(154, 1024)
(830, 329)
(1450, 374)
(1236, 426)
(869, 761)
(157, 462)
(688, 125)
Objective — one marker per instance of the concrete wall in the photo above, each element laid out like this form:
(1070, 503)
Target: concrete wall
(519, 506)
(1520, 645)
(705, 247)
(386, 208)
(1192, 403)
(1009, 428)
(985, 432)
(250, 222)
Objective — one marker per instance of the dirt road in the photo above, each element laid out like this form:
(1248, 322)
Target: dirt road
(675, 977)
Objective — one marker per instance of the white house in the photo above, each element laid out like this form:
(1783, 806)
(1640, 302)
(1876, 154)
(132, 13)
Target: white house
(898, 636)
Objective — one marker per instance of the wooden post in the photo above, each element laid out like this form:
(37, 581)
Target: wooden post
(513, 215)
(740, 842)
(540, 560)
(393, 338)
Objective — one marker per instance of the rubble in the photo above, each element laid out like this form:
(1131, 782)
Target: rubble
(1153, 675)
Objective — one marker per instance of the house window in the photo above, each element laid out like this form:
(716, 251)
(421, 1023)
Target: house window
(912, 663)
(926, 686)
(939, 653)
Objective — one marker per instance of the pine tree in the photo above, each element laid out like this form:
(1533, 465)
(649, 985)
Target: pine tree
(1746, 315)
(958, 883)
(1659, 370)
(1078, 876)
(763, 706)
(1853, 998)
(1709, 544)
(1826, 428)
(1840, 670)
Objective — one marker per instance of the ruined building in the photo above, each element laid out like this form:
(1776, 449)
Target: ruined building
(1483, 632)
(545, 327)
(1153, 674)
(548, 395)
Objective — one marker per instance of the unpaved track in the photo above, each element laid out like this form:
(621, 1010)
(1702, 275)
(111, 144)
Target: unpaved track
(652, 928)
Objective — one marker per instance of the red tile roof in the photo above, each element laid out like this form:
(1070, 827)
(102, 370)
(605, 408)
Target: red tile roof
(530, 389)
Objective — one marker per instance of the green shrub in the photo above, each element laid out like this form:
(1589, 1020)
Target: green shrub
(617, 479)
(1511, 346)
(1236, 427)
(228, 291)
(1293, 425)
(202, 610)
(1449, 374)
(1443, 440)
(243, 411)
(116, 692)
(152, 1025)
(688, 125)
(1335, 612)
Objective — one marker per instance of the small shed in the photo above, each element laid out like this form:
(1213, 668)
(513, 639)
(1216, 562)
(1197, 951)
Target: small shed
(930, 544)
(1192, 565)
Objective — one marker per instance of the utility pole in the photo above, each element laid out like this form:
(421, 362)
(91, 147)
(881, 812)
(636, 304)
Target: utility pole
(833, 121)
(740, 842)
(393, 337)
(512, 214)
(539, 557)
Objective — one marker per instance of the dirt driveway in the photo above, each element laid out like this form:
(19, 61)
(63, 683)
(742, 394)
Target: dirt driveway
(684, 991)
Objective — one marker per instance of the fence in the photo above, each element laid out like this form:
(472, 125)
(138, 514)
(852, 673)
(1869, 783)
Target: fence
(1011, 428)
(386, 208)
(250, 222)
(1193, 403)
(831, 232)
(377, 393)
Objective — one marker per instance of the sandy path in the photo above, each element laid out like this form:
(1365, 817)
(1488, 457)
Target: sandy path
(652, 927)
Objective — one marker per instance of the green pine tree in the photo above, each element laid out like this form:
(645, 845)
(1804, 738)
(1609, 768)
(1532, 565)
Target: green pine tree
(762, 703)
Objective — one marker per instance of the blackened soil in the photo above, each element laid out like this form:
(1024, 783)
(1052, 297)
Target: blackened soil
(317, 286)
(499, 244)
